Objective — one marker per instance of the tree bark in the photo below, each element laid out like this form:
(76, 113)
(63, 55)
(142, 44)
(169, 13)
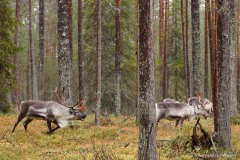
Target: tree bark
(187, 53)
(17, 71)
(98, 67)
(161, 41)
(196, 46)
(165, 67)
(117, 58)
(206, 49)
(184, 54)
(32, 56)
(41, 72)
(238, 60)
(147, 129)
(80, 51)
(226, 66)
(64, 50)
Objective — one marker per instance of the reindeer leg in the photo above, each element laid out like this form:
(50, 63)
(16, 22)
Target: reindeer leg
(182, 122)
(20, 117)
(26, 123)
(55, 122)
(177, 121)
(49, 127)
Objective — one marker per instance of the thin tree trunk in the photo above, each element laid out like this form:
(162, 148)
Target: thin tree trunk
(238, 59)
(98, 67)
(41, 50)
(137, 57)
(32, 56)
(147, 129)
(206, 49)
(80, 51)
(165, 67)
(161, 40)
(196, 46)
(187, 53)
(17, 71)
(184, 54)
(117, 58)
(233, 59)
(70, 28)
(214, 65)
(225, 68)
(64, 50)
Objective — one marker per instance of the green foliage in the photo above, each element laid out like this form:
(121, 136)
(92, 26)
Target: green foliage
(235, 120)
(7, 51)
(128, 60)
(176, 61)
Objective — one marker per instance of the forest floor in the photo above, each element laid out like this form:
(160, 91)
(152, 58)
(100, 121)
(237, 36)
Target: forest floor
(118, 141)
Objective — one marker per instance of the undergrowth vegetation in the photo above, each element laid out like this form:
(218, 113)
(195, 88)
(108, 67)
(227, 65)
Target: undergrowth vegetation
(116, 141)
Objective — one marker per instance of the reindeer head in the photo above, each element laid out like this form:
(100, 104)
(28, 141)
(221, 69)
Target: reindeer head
(77, 110)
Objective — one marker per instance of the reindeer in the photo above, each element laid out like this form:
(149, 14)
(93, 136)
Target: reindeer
(50, 111)
(204, 102)
(178, 111)
(169, 100)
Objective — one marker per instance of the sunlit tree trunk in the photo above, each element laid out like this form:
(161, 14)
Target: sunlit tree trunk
(117, 58)
(41, 72)
(32, 56)
(64, 50)
(147, 128)
(196, 45)
(98, 58)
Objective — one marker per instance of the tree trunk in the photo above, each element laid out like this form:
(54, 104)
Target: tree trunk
(165, 67)
(17, 71)
(226, 65)
(117, 58)
(80, 51)
(214, 64)
(32, 56)
(64, 50)
(184, 54)
(137, 57)
(41, 72)
(233, 59)
(70, 28)
(98, 67)
(196, 46)
(187, 53)
(161, 41)
(206, 49)
(147, 129)
(238, 60)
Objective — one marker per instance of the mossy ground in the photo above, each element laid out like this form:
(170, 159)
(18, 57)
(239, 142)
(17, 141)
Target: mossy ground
(89, 142)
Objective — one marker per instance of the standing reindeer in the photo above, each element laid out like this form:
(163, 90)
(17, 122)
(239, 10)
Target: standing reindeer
(204, 102)
(50, 111)
(178, 111)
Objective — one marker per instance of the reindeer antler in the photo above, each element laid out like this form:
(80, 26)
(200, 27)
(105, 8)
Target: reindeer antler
(82, 105)
(58, 98)
(199, 94)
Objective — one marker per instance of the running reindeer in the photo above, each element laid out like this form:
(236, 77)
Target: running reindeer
(50, 111)
(178, 111)
(204, 102)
